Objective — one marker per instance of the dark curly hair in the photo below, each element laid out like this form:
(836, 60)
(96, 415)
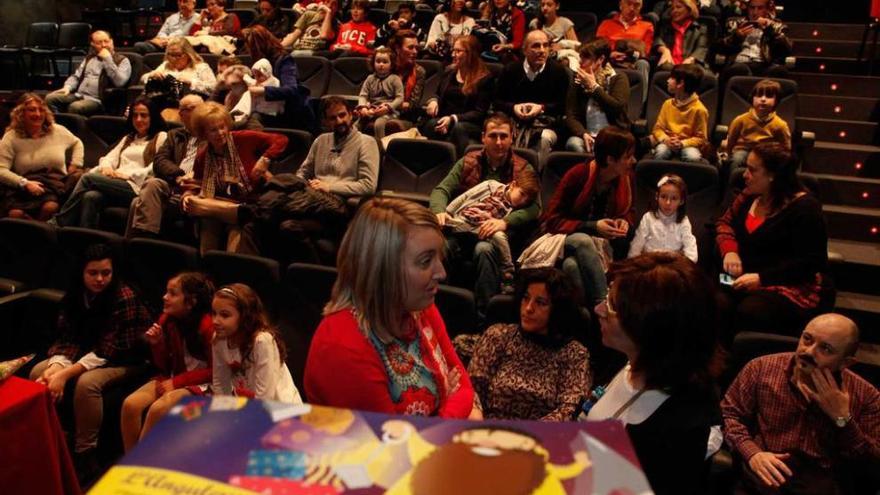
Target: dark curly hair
(565, 316)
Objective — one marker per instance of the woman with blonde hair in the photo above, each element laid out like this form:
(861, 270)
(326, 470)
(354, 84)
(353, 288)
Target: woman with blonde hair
(185, 65)
(391, 344)
(227, 170)
(33, 161)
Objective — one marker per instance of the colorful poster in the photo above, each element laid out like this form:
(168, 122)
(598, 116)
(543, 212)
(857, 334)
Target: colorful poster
(231, 446)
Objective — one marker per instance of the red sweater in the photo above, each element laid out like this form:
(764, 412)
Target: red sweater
(168, 354)
(251, 145)
(345, 370)
(355, 36)
(569, 208)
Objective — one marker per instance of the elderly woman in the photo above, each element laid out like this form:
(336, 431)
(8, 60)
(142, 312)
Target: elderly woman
(118, 178)
(536, 369)
(185, 65)
(679, 38)
(661, 313)
(457, 112)
(773, 243)
(226, 173)
(389, 345)
(599, 97)
(593, 207)
(33, 161)
(215, 21)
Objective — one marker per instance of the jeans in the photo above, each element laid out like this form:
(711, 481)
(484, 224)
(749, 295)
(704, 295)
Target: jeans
(583, 265)
(145, 47)
(488, 266)
(73, 104)
(92, 193)
(688, 153)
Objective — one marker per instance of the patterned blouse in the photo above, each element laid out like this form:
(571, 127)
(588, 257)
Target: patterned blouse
(516, 377)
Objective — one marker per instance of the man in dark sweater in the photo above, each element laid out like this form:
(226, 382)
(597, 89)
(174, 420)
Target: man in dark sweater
(172, 168)
(534, 94)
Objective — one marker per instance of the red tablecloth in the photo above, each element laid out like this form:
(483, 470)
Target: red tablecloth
(33, 453)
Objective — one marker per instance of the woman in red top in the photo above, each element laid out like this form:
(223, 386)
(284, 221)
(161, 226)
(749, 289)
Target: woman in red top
(680, 39)
(215, 21)
(181, 345)
(382, 345)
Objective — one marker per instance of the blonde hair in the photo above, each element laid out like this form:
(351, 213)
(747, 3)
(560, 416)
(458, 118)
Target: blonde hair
(207, 114)
(16, 117)
(183, 44)
(370, 276)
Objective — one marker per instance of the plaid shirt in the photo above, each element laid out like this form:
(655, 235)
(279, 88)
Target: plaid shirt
(119, 340)
(764, 411)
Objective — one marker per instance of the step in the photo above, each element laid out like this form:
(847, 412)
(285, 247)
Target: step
(839, 131)
(812, 30)
(837, 84)
(825, 48)
(848, 191)
(852, 224)
(843, 159)
(864, 309)
(831, 65)
(839, 107)
(860, 270)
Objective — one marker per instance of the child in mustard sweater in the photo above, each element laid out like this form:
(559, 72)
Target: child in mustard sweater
(757, 125)
(682, 124)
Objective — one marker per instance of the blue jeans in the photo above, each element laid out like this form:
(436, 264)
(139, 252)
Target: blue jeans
(688, 154)
(73, 104)
(583, 265)
(92, 194)
(488, 267)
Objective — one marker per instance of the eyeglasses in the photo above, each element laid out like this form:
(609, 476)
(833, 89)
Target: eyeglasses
(174, 55)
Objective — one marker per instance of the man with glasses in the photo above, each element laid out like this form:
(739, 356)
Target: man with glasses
(172, 170)
(177, 24)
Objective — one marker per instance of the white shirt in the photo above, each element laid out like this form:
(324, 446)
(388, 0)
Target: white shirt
(130, 161)
(662, 233)
(264, 373)
(532, 74)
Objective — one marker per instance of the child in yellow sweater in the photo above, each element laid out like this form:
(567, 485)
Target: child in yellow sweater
(757, 125)
(682, 124)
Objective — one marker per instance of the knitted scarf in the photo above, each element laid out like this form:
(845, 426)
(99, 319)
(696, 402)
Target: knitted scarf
(226, 170)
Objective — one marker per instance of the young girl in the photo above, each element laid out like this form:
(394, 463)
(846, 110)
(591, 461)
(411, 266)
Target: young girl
(381, 95)
(248, 352)
(181, 345)
(759, 124)
(666, 227)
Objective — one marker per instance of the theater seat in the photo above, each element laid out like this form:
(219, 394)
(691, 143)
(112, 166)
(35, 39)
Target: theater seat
(150, 263)
(347, 75)
(298, 144)
(314, 73)
(635, 105)
(72, 244)
(458, 308)
(27, 249)
(558, 163)
(260, 274)
(411, 168)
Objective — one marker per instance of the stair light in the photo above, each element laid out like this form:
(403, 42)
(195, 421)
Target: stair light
(858, 165)
(815, 32)
(842, 134)
(818, 49)
(874, 230)
(865, 195)
(837, 109)
(834, 87)
(821, 66)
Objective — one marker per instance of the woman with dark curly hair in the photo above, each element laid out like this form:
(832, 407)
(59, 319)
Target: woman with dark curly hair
(536, 369)
(33, 160)
(661, 313)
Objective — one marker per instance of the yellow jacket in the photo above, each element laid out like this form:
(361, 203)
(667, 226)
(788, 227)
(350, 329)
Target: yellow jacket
(748, 129)
(689, 120)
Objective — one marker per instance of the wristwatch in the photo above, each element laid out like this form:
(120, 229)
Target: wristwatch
(841, 421)
(22, 182)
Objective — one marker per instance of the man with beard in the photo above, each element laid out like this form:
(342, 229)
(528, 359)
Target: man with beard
(499, 461)
(798, 418)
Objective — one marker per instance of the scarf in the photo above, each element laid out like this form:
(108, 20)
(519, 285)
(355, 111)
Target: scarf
(226, 170)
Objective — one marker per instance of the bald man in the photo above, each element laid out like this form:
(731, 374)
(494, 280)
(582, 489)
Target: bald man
(797, 418)
(172, 170)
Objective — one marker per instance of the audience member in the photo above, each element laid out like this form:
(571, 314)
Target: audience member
(598, 97)
(661, 313)
(508, 23)
(83, 90)
(215, 21)
(556, 27)
(446, 27)
(314, 28)
(463, 97)
(403, 20)
(406, 48)
(773, 243)
(534, 370)
(381, 94)
(184, 65)
(534, 94)
(228, 171)
(176, 25)
(759, 124)
(118, 178)
(593, 207)
(631, 38)
(682, 126)
(181, 346)
(665, 227)
(356, 36)
(100, 327)
(681, 39)
(172, 173)
(757, 44)
(272, 18)
(390, 345)
(297, 113)
(34, 168)
(496, 161)
(801, 421)
(248, 352)
(255, 106)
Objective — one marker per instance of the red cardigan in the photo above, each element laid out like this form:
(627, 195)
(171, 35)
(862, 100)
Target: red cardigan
(343, 369)
(251, 145)
(568, 208)
(168, 353)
